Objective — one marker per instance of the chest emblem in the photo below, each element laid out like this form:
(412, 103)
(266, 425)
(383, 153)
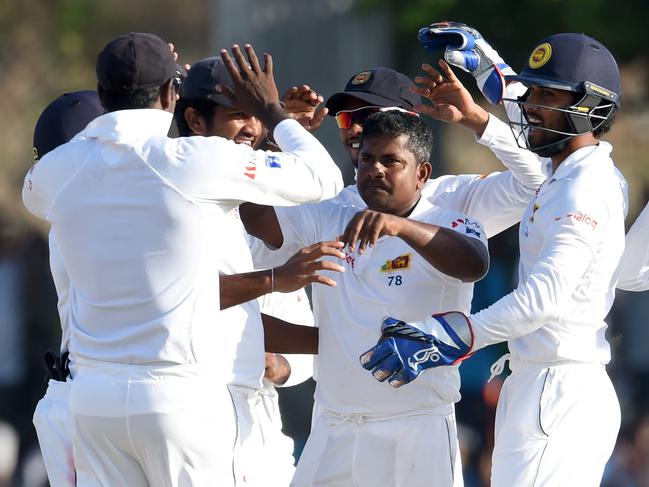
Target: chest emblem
(399, 264)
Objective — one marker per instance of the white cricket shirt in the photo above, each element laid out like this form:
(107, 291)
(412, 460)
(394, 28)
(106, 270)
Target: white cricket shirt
(571, 240)
(634, 267)
(389, 279)
(137, 220)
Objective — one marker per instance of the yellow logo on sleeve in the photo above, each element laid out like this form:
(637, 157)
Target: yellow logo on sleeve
(540, 55)
(399, 264)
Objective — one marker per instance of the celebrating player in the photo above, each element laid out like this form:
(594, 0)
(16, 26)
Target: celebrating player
(136, 217)
(263, 455)
(365, 432)
(571, 241)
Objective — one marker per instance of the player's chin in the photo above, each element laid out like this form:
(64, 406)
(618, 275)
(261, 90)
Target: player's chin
(377, 199)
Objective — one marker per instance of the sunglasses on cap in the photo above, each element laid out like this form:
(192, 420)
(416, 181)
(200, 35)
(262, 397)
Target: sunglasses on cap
(346, 118)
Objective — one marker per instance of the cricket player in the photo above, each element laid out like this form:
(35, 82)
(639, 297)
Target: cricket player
(263, 455)
(634, 266)
(61, 120)
(137, 221)
(571, 240)
(365, 433)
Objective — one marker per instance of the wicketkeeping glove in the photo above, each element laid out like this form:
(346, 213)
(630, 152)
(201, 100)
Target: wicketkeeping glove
(465, 48)
(404, 350)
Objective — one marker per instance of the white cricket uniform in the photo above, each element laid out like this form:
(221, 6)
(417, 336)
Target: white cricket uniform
(634, 266)
(52, 414)
(262, 454)
(362, 424)
(136, 217)
(571, 239)
(294, 308)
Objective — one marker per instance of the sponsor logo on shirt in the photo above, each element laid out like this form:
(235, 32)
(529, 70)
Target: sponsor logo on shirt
(273, 161)
(471, 227)
(251, 169)
(399, 264)
(350, 259)
(580, 217)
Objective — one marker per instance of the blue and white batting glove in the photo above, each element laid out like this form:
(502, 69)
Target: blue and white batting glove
(465, 48)
(404, 350)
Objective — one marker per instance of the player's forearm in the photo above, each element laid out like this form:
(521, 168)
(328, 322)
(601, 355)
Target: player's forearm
(241, 288)
(449, 252)
(261, 221)
(283, 337)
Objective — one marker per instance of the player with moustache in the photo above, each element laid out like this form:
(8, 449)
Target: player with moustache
(129, 209)
(263, 456)
(571, 241)
(403, 253)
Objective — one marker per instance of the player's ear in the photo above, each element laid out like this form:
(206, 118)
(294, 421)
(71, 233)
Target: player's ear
(424, 171)
(195, 121)
(168, 96)
(101, 93)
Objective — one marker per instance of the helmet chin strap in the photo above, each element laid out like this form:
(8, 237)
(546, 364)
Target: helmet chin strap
(580, 121)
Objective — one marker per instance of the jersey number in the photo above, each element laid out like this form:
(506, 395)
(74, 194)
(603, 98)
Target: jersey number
(394, 280)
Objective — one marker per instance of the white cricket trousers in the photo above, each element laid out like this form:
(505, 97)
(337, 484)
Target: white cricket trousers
(556, 426)
(417, 449)
(263, 455)
(139, 426)
(54, 430)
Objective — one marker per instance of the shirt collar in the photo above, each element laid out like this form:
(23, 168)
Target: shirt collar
(580, 157)
(126, 125)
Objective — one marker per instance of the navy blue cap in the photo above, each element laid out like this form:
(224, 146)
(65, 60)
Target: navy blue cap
(573, 62)
(135, 61)
(64, 118)
(202, 79)
(383, 87)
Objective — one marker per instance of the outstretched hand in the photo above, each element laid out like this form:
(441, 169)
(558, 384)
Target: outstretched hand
(254, 90)
(301, 104)
(451, 101)
(302, 268)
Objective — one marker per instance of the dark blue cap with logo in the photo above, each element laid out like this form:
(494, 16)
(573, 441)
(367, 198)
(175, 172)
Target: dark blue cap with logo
(64, 118)
(203, 78)
(383, 87)
(573, 62)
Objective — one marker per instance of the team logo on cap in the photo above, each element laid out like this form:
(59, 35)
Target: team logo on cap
(540, 56)
(361, 78)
